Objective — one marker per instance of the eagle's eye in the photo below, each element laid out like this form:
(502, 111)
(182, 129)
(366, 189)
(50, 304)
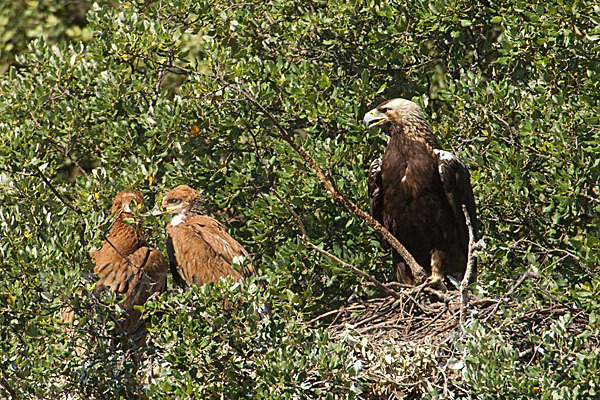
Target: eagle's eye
(384, 110)
(174, 200)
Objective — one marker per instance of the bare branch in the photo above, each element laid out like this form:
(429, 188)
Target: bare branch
(289, 208)
(417, 270)
(470, 263)
(526, 275)
(352, 268)
(567, 253)
(509, 293)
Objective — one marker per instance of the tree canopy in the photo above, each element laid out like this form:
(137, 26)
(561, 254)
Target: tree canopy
(153, 94)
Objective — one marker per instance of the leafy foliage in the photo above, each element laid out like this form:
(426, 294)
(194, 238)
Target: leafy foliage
(556, 364)
(214, 352)
(146, 94)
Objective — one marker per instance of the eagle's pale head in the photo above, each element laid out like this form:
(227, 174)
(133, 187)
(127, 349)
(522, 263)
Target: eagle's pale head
(123, 200)
(401, 116)
(393, 112)
(181, 200)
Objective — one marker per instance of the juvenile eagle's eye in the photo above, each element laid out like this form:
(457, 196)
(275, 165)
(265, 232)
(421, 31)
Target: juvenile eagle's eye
(174, 200)
(384, 110)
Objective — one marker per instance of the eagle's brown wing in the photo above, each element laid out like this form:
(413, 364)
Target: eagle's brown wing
(376, 191)
(201, 251)
(144, 274)
(457, 186)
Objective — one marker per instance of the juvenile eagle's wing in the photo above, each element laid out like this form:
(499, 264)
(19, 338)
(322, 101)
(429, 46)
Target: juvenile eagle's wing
(138, 276)
(376, 191)
(201, 251)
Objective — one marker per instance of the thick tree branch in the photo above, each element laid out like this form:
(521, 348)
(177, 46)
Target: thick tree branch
(417, 270)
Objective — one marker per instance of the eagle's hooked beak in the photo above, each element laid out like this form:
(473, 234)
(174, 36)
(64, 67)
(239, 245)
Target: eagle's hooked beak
(126, 208)
(374, 118)
(157, 211)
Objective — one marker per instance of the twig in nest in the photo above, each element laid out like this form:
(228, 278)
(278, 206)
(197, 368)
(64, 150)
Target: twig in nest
(417, 270)
(377, 314)
(344, 309)
(470, 263)
(400, 285)
(432, 321)
(325, 315)
(416, 302)
(344, 264)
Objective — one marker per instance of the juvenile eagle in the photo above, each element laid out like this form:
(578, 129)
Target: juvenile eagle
(416, 190)
(199, 248)
(126, 264)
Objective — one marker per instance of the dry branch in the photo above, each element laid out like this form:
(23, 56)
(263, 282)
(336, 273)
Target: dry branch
(417, 270)
(469, 271)
(509, 293)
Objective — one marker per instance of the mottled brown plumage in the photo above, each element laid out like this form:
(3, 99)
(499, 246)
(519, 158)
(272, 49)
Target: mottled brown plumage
(416, 190)
(126, 264)
(199, 248)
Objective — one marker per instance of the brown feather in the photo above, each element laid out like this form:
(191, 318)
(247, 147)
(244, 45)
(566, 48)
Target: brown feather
(199, 247)
(126, 265)
(419, 191)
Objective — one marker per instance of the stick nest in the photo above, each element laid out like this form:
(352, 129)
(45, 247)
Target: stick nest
(410, 345)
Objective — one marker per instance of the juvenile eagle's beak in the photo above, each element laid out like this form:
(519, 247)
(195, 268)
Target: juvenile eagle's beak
(166, 210)
(374, 118)
(127, 208)
(156, 211)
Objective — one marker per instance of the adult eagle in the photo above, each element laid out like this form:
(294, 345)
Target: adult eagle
(417, 190)
(126, 264)
(199, 248)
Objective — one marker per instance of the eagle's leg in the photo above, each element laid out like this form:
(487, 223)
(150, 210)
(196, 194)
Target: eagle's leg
(438, 272)
(403, 273)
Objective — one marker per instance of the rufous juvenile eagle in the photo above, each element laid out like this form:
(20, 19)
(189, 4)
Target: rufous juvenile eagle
(199, 248)
(126, 264)
(416, 190)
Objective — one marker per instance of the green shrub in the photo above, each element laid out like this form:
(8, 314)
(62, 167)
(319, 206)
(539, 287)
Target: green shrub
(146, 96)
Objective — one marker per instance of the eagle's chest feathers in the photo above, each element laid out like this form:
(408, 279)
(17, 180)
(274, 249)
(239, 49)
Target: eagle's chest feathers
(409, 168)
(177, 219)
(125, 237)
